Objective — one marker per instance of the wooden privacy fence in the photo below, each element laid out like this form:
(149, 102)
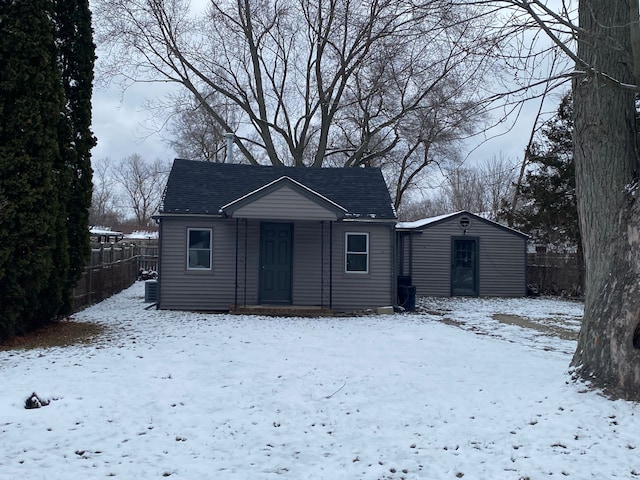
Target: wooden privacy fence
(556, 274)
(147, 257)
(113, 268)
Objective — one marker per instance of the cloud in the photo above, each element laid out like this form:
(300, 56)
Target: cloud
(123, 126)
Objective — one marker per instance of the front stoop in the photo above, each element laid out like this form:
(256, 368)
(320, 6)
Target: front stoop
(281, 310)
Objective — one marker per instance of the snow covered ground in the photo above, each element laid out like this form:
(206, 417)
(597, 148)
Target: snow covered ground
(453, 392)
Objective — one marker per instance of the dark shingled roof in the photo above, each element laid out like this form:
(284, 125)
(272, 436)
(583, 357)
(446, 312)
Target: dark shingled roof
(196, 187)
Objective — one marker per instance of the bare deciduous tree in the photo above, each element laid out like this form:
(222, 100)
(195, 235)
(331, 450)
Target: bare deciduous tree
(196, 134)
(463, 191)
(499, 179)
(314, 83)
(104, 210)
(480, 189)
(142, 183)
(605, 81)
(419, 208)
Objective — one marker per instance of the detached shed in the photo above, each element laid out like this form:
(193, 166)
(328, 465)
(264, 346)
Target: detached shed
(462, 254)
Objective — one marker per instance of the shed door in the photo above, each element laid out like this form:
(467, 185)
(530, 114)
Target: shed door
(275, 263)
(464, 266)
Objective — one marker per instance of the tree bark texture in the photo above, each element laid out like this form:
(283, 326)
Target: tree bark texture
(606, 160)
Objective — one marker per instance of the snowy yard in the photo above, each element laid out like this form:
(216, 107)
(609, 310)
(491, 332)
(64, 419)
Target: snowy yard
(457, 391)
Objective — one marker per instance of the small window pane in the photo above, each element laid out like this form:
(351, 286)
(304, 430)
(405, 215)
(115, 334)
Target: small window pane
(357, 254)
(356, 243)
(199, 238)
(199, 249)
(199, 259)
(356, 262)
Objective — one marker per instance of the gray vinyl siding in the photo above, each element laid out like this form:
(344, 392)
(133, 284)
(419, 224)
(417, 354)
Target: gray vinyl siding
(312, 251)
(183, 289)
(502, 259)
(503, 266)
(248, 258)
(431, 262)
(404, 254)
(355, 291)
(307, 278)
(236, 257)
(311, 264)
(284, 204)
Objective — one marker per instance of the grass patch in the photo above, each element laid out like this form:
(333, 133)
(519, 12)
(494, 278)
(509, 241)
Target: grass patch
(61, 333)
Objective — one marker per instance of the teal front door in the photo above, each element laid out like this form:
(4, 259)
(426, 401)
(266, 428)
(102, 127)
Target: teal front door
(275, 263)
(464, 266)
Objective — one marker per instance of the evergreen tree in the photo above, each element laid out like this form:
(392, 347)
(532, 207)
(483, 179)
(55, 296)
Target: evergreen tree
(76, 52)
(31, 99)
(46, 72)
(548, 210)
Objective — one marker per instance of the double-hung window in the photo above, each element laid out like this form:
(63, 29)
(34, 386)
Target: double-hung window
(199, 249)
(357, 253)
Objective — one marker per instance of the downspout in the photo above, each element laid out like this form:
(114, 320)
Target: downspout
(526, 268)
(321, 264)
(411, 256)
(246, 241)
(400, 236)
(331, 265)
(160, 228)
(235, 283)
(394, 266)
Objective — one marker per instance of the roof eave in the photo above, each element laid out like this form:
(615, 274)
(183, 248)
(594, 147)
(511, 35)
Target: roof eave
(186, 214)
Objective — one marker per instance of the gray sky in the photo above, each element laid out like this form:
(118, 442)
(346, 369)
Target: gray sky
(123, 127)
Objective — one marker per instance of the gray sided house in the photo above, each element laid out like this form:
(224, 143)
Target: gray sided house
(234, 236)
(462, 254)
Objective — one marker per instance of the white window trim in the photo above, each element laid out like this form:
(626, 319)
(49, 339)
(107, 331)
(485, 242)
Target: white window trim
(201, 269)
(346, 253)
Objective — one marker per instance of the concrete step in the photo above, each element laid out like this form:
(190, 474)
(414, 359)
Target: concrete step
(281, 310)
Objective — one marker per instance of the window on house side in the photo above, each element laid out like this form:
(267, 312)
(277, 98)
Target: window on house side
(357, 253)
(199, 249)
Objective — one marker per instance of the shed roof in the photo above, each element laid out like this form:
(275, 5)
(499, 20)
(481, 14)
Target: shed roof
(196, 187)
(427, 222)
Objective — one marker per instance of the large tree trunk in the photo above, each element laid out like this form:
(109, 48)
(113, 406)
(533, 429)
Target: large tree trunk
(606, 160)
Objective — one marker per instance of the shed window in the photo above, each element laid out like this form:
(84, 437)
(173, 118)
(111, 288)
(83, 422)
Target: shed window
(357, 253)
(199, 249)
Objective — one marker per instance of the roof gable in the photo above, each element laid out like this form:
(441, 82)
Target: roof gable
(281, 199)
(204, 188)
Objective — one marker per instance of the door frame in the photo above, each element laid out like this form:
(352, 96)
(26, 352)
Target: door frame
(261, 267)
(476, 265)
